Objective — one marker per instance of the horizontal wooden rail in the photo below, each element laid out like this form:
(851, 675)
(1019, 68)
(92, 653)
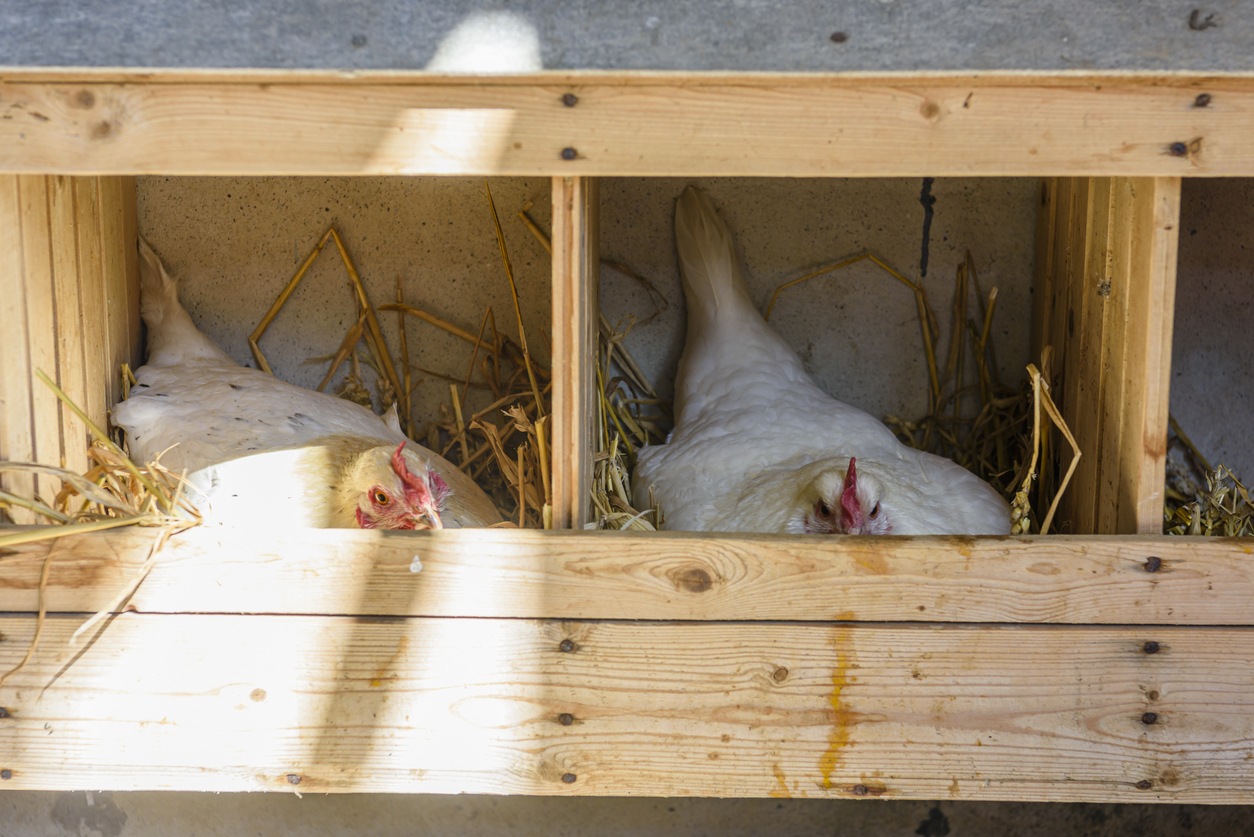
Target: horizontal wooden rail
(178, 122)
(315, 704)
(578, 575)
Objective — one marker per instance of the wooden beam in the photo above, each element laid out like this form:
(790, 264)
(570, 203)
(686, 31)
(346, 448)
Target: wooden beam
(325, 704)
(577, 575)
(576, 280)
(1107, 308)
(627, 124)
(65, 298)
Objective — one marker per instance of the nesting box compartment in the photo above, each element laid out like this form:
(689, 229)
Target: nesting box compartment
(1107, 665)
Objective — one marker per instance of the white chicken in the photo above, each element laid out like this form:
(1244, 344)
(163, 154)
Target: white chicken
(267, 453)
(759, 447)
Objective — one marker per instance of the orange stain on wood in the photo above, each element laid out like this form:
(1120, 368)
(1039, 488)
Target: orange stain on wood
(780, 792)
(838, 738)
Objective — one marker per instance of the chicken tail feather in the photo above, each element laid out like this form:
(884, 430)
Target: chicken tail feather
(713, 284)
(172, 336)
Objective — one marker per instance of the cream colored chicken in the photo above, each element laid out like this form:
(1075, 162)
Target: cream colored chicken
(759, 447)
(266, 453)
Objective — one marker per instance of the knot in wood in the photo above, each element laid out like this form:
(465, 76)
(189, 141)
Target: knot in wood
(779, 674)
(693, 580)
(1153, 564)
(84, 99)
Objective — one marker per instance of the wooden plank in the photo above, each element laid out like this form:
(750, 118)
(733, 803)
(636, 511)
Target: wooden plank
(576, 311)
(1122, 285)
(70, 372)
(318, 704)
(17, 441)
(41, 325)
(598, 575)
(93, 299)
(1071, 360)
(1088, 385)
(121, 278)
(1147, 354)
(676, 124)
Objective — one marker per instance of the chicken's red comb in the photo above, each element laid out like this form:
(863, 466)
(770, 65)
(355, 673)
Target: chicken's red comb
(850, 510)
(416, 490)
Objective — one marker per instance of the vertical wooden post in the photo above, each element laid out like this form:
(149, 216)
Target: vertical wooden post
(1105, 295)
(576, 278)
(69, 305)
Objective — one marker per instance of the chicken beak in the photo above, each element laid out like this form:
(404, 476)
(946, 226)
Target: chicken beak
(432, 517)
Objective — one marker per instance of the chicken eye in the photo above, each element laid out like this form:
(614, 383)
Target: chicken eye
(824, 511)
(381, 498)
(875, 510)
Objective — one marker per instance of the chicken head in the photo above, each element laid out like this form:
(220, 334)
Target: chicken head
(393, 496)
(847, 504)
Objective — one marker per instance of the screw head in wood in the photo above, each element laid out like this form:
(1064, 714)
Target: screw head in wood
(1149, 718)
(570, 100)
(1144, 784)
(569, 153)
(6, 774)
(859, 790)
(1150, 647)
(566, 646)
(566, 719)
(1178, 149)
(293, 778)
(4, 712)
(1202, 100)
(568, 778)
(1153, 564)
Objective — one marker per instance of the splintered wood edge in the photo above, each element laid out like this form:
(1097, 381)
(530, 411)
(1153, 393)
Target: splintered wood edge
(943, 124)
(601, 575)
(326, 704)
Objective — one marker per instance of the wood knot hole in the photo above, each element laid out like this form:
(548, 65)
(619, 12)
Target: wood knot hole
(694, 580)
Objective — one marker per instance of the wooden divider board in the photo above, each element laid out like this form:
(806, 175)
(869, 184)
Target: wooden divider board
(69, 306)
(576, 286)
(316, 704)
(1105, 291)
(856, 124)
(674, 575)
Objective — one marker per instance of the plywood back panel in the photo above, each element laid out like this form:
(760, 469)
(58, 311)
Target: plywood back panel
(1104, 300)
(68, 306)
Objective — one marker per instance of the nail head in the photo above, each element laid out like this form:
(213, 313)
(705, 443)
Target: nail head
(1153, 564)
(6, 774)
(1179, 149)
(4, 712)
(1150, 647)
(568, 778)
(570, 100)
(1144, 784)
(566, 645)
(293, 778)
(1149, 718)
(566, 719)
(569, 153)
(1202, 100)
(859, 790)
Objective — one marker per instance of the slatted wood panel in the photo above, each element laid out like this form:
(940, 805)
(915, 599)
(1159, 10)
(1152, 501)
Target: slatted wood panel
(68, 306)
(626, 124)
(232, 703)
(599, 575)
(1105, 292)
(576, 284)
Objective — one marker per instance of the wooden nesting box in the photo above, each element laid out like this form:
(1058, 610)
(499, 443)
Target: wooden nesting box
(1109, 665)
